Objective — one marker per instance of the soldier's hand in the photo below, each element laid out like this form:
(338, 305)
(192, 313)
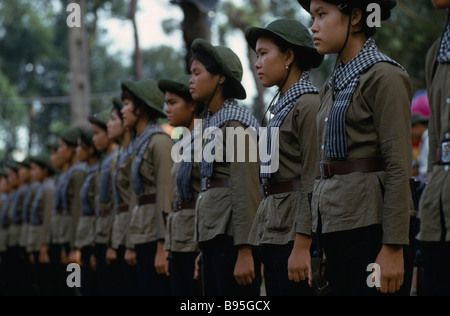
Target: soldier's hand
(299, 263)
(111, 256)
(244, 270)
(197, 266)
(130, 257)
(93, 262)
(161, 258)
(390, 260)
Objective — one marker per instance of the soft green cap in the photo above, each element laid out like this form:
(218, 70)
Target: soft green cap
(228, 61)
(11, 164)
(101, 118)
(294, 33)
(43, 160)
(26, 162)
(3, 173)
(147, 90)
(70, 135)
(385, 5)
(117, 102)
(179, 86)
(86, 135)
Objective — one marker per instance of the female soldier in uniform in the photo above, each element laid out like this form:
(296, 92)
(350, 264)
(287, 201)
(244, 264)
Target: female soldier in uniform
(434, 210)
(40, 215)
(104, 211)
(284, 60)
(152, 185)
(67, 208)
(364, 129)
(181, 112)
(122, 189)
(226, 208)
(85, 237)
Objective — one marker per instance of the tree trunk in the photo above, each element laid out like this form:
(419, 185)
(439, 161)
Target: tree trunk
(138, 58)
(195, 25)
(79, 67)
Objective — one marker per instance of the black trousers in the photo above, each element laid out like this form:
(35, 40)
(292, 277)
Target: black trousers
(436, 263)
(89, 284)
(149, 282)
(181, 267)
(219, 257)
(349, 253)
(107, 274)
(2, 275)
(59, 274)
(40, 276)
(126, 275)
(275, 259)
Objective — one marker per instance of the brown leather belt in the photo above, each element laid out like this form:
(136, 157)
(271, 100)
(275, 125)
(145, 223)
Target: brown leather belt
(329, 169)
(123, 208)
(105, 212)
(178, 205)
(215, 183)
(146, 199)
(280, 187)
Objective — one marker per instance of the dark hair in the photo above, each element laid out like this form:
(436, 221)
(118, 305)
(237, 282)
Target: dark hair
(304, 62)
(213, 67)
(368, 31)
(138, 103)
(118, 110)
(89, 143)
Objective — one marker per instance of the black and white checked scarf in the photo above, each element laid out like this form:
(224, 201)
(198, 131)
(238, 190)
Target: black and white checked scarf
(346, 81)
(20, 196)
(86, 208)
(27, 202)
(4, 213)
(184, 174)
(105, 177)
(79, 166)
(141, 145)
(281, 109)
(57, 203)
(444, 51)
(123, 156)
(230, 111)
(49, 184)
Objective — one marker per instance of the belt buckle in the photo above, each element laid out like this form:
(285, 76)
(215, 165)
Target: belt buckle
(175, 206)
(205, 184)
(322, 165)
(445, 152)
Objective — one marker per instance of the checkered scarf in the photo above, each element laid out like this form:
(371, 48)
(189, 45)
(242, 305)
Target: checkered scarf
(184, 184)
(123, 156)
(27, 201)
(86, 208)
(346, 81)
(444, 50)
(79, 166)
(4, 212)
(281, 109)
(230, 111)
(58, 197)
(105, 177)
(141, 144)
(20, 196)
(49, 184)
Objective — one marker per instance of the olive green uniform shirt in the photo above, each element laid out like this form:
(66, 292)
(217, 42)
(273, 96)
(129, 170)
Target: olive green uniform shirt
(181, 224)
(437, 192)
(281, 216)
(125, 190)
(148, 222)
(103, 223)
(85, 235)
(16, 229)
(38, 234)
(68, 224)
(23, 238)
(378, 125)
(230, 211)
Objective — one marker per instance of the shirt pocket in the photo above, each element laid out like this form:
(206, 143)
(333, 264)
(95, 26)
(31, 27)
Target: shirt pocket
(281, 217)
(183, 224)
(215, 208)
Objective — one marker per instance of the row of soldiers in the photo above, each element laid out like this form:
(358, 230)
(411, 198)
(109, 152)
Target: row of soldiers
(139, 223)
